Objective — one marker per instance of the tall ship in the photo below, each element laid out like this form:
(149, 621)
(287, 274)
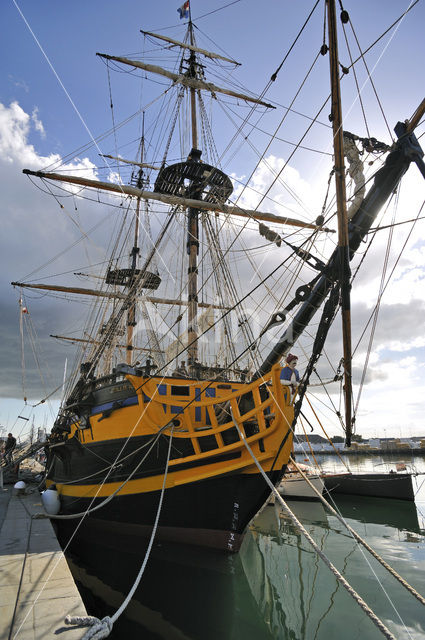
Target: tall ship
(175, 415)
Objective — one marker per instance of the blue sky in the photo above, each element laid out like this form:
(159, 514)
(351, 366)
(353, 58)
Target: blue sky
(47, 119)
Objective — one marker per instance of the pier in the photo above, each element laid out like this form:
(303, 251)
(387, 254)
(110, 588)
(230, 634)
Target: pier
(37, 589)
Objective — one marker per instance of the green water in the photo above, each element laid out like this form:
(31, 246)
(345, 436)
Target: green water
(276, 587)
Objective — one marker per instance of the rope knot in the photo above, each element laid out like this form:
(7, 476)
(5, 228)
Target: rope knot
(98, 628)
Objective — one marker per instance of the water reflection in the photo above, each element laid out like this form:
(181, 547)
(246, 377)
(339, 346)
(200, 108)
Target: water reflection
(298, 596)
(185, 592)
(399, 514)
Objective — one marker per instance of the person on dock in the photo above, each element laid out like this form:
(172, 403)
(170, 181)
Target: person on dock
(289, 375)
(9, 447)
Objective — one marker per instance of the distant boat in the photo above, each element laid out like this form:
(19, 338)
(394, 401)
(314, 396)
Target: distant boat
(295, 486)
(377, 485)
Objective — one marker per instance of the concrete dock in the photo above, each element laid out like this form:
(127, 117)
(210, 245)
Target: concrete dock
(37, 590)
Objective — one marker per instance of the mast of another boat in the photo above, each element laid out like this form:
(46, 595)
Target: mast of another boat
(341, 201)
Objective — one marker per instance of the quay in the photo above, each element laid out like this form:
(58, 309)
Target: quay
(37, 590)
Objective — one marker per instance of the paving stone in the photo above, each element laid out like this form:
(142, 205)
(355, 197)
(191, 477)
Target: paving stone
(8, 594)
(10, 569)
(6, 615)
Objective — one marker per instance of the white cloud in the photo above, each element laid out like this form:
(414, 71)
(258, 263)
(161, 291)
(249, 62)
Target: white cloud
(15, 126)
(37, 123)
(19, 84)
(280, 197)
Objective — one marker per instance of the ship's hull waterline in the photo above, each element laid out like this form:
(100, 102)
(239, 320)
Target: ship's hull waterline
(213, 487)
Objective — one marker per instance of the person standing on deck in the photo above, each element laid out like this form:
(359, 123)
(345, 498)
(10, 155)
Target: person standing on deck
(289, 374)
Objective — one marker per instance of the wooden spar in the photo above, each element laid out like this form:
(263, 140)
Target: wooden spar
(184, 45)
(79, 290)
(115, 294)
(341, 201)
(143, 165)
(185, 80)
(90, 341)
(175, 200)
(416, 117)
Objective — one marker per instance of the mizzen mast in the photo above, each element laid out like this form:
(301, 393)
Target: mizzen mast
(131, 313)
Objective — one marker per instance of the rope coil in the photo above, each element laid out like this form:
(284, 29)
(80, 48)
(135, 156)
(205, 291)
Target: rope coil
(98, 628)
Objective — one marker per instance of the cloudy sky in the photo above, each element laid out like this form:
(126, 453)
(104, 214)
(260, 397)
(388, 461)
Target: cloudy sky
(54, 97)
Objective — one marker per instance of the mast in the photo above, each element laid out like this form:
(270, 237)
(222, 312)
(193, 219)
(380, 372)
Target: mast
(131, 313)
(341, 200)
(193, 226)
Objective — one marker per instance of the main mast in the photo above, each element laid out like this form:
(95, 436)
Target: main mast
(193, 225)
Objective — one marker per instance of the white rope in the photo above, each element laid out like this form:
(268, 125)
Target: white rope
(98, 628)
(384, 630)
(102, 628)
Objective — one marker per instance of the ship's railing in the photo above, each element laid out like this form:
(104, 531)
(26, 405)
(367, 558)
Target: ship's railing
(206, 412)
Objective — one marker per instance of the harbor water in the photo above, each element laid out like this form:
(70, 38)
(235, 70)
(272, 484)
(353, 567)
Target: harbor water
(277, 586)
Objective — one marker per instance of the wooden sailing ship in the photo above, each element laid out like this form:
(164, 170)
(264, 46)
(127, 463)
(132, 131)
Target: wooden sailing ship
(175, 430)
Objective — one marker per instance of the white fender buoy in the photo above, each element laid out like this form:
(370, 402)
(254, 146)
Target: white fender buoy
(51, 501)
(19, 487)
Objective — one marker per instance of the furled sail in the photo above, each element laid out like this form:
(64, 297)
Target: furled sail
(143, 165)
(184, 45)
(174, 200)
(112, 294)
(187, 81)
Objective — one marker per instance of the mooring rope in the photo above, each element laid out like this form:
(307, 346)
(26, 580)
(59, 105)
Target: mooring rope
(102, 628)
(365, 607)
(360, 539)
